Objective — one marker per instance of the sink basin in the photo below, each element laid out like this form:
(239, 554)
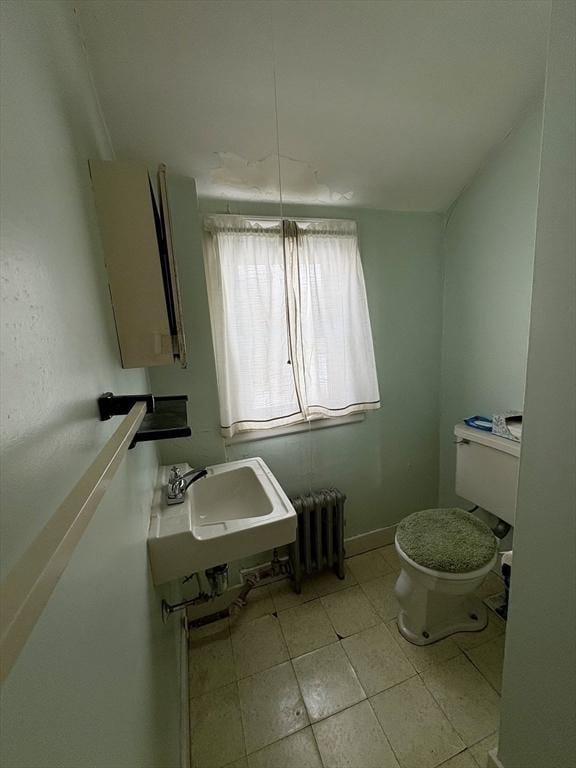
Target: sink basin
(225, 496)
(237, 510)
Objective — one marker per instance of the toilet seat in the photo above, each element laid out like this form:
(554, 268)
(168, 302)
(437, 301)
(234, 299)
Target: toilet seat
(432, 574)
(447, 541)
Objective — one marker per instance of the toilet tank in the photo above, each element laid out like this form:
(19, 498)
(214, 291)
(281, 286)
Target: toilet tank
(487, 470)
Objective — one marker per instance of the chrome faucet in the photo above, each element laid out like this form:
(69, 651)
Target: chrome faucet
(178, 484)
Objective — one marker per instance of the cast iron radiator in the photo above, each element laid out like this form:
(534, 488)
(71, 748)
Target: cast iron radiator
(320, 534)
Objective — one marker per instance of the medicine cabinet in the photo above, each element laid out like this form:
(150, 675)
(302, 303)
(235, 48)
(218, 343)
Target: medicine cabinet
(142, 273)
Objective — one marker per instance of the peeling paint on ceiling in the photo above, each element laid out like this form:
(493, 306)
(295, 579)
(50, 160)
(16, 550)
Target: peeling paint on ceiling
(239, 178)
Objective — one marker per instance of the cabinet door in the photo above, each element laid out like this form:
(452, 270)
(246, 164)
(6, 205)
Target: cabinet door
(177, 319)
(131, 251)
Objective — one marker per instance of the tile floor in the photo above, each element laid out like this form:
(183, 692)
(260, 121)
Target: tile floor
(325, 680)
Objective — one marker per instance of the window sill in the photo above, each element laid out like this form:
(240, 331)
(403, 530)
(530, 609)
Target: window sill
(291, 429)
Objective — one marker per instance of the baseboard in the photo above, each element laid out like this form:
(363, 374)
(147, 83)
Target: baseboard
(184, 697)
(364, 542)
(493, 761)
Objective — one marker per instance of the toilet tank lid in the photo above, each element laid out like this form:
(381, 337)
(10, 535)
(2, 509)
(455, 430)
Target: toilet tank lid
(464, 432)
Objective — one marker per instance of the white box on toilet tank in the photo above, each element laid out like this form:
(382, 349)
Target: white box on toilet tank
(487, 470)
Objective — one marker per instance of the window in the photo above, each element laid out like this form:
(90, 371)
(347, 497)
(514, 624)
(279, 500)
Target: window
(290, 321)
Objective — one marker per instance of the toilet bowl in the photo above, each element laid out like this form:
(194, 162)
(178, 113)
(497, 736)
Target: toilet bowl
(435, 604)
(445, 554)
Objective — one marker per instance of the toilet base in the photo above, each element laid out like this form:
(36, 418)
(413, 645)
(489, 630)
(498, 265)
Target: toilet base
(470, 616)
(436, 604)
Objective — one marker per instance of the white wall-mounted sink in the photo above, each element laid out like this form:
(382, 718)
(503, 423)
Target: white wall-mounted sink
(238, 509)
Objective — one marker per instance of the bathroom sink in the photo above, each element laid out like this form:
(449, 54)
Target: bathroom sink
(229, 495)
(237, 510)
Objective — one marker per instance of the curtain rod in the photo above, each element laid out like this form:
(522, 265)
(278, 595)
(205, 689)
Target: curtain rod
(277, 218)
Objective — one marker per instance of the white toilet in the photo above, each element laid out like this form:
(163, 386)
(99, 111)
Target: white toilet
(446, 554)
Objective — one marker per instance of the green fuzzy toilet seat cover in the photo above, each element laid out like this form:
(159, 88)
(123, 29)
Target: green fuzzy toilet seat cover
(449, 540)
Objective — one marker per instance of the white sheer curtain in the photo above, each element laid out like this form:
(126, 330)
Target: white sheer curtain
(339, 371)
(290, 321)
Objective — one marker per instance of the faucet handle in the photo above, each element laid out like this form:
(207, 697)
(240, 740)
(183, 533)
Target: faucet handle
(174, 474)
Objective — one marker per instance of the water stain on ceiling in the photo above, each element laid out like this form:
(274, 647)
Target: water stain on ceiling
(240, 178)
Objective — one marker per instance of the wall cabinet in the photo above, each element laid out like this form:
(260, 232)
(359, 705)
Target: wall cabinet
(136, 232)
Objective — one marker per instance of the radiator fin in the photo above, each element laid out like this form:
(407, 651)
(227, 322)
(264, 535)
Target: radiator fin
(320, 534)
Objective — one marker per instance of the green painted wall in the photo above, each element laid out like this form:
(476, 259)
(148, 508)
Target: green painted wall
(488, 256)
(538, 723)
(97, 683)
(387, 465)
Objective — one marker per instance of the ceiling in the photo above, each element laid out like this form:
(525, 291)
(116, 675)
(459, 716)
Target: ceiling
(383, 104)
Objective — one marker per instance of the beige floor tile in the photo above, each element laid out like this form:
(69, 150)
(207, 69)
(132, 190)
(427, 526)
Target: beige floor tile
(211, 658)
(391, 556)
(380, 592)
(271, 706)
(368, 566)
(296, 751)
(354, 739)
(479, 751)
(463, 760)
(419, 732)
(327, 681)
(350, 611)
(284, 596)
(216, 712)
(489, 659)
(258, 645)
(495, 627)
(327, 582)
(306, 628)
(258, 603)
(377, 659)
(469, 702)
(422, 656)
(492, 585)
